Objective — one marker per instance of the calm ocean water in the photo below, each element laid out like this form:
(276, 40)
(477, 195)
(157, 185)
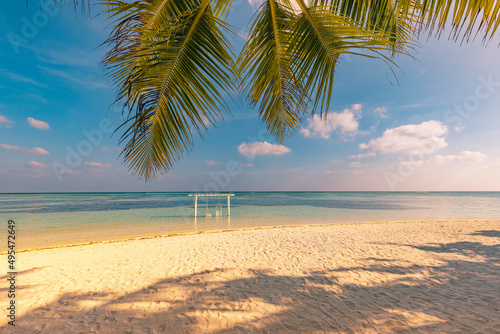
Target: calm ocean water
(55, 219)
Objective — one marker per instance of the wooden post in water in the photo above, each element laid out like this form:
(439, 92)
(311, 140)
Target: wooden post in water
(195, 205)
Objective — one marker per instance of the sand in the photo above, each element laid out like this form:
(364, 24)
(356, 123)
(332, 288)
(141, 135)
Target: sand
(429, 277)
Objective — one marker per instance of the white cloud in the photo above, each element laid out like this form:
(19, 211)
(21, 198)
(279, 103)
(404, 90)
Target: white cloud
(38, 124)
(243, 34)
(32, 151)
(38, 151)
(212, 163)
(381, 111)
(345, 122)
(361, 156)
(262, 148)
(12, 147)
(255, 3)
(4, 119)
(356, 107)
(36, 164)
(206, 120)
(306, 132)
(247, 165)
(97, 164)
(110, 148)
(356, 164)
(463, 156)
(426, 137)
(496, 164)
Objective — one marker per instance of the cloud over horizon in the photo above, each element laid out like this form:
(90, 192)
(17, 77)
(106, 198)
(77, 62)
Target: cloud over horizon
(362, 156)
(212, 163)
(36, 164)
(262, 148)
(32, 151)
(381, 111)
(37, 124)
(7, 122)
(97, 164)
(345, 122)
(356, 164)
(38, 151)
(463, 156)
(426, 137)
(12, 147)
(440, 160)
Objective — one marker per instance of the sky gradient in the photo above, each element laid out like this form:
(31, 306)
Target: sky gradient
(434, 127)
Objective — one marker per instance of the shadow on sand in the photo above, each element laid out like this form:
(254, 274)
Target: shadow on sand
(451, 296)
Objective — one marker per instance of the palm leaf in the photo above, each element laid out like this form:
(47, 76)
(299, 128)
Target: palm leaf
(267, 67)
(171, 62)
(464, 17)
(320, 37)
(394, 19)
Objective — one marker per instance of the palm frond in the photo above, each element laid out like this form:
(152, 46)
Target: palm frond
(320, 37)
(464, 17)
(393, 19)
(267, 67)
(171, 62)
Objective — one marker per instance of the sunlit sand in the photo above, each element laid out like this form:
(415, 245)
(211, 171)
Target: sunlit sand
(363, 278)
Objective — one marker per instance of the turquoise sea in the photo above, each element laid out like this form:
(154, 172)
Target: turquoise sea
(65, 218)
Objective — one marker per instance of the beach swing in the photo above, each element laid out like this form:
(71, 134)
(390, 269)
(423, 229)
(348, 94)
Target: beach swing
(218, 208)
(207, 212)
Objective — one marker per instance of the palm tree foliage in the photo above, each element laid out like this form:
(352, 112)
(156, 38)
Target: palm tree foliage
(175, 68)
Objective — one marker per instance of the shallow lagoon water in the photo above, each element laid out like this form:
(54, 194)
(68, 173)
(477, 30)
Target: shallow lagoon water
(64, 218)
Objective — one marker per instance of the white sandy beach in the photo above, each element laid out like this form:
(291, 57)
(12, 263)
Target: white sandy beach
(424, 277)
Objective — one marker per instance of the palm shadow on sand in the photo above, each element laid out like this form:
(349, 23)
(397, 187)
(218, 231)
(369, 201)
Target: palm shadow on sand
(315, 302)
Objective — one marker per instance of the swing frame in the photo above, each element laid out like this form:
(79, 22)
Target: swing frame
(228, 195)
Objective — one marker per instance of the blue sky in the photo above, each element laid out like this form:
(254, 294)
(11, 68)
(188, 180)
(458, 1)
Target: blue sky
(434, 128)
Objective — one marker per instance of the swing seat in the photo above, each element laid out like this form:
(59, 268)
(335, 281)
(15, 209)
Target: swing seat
(218, 210)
